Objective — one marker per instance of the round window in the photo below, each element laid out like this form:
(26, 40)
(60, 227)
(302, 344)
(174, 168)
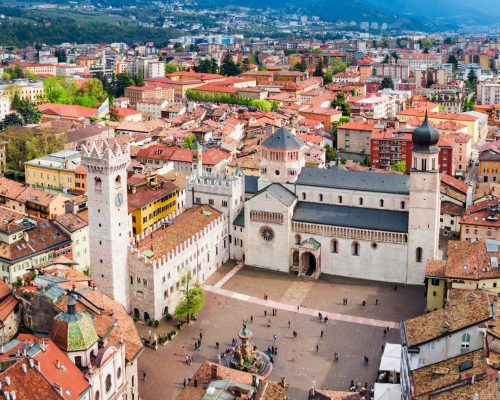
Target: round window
(267, 233)
(277, 172)
(374, 245)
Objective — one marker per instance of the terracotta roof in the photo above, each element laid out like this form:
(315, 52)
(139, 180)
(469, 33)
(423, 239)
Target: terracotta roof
(447, 207)
(337, 395)
(454, 183)
(29, 385)
(468, 260)
(66, 110)
(4, 289)
(145, 195)
(367, 125)
(7, 306)
(464, 308)
(484, 189)
(181, 229)
(477, 214)
(71, 222)
(445, 374)
(486, 389)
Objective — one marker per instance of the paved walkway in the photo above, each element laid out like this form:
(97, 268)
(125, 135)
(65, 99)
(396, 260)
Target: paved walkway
(229, 275)
(297, 308)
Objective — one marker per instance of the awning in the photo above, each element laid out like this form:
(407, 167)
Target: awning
(387, 391)
(391, 359)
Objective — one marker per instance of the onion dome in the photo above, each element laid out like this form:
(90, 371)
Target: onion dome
(72, 330)
(425, 138)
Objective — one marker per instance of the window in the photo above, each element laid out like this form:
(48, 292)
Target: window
(418, 255)
(224, 203)
(360, 201)
(297, 239)
(432, 345)
(197, 200)
(355, 249)
(381, 203)
(78, 361)
(334, 246)
(211, 202)
(119, 372)
(435, 282)
(421, 362)
(97, 183)
(320, 197)
(108, 383)
(303, 196)
(340, 199)
(465, 341)
(97, 395)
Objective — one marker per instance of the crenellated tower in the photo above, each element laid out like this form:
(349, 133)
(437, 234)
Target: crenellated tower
(108, 217)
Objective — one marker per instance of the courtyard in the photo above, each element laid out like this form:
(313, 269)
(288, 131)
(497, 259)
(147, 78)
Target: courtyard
(353, 330)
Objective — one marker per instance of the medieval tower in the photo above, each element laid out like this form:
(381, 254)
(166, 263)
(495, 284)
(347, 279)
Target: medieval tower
(108, 217)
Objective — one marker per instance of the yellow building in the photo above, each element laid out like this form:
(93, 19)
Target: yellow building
(150, 199)
(470, 265)
(55, 171)
(489, 165)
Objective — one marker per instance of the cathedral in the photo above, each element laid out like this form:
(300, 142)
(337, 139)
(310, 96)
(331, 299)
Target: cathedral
(292, 218)
(309, 221)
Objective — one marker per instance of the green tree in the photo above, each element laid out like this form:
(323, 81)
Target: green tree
(192, 300)
(28, 112)
(206, 66)
(59, 90)
(452, 59)
(471, 80)
(61, 55)
(300, 66)
(170, 68)
(139, 79)
(24, 144)
(330, 153)
(229, 67)
(189, 141)
(399, 166)
(262, 105)
(318, 71)
(121, 82)
(387, 83)
(11, 119)
(340, 102)
(275, 106)
(336, 65)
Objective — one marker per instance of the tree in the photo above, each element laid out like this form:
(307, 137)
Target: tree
(337, 65)
(206, 66)
(28, 112)
(170, 68)
(59, 90)
(229, 67)
(399, 166)
(330, 153)
(366, 161)
(387, 83)
(121, 82)
(11, 119)
(300, 66)
(471, 79)
(189, 141)
(340, 102)
(139, 79)
(178, 47)
(61, 55)
(275, 106)
(192, 298)
(24, 144)
(318, 71)
(452, 59)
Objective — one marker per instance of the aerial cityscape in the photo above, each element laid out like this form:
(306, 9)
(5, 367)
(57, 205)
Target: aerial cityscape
(251, 200)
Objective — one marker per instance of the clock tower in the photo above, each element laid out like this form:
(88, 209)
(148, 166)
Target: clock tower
(108, 217)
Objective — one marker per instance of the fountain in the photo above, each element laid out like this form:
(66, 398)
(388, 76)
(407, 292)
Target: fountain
(246, 358)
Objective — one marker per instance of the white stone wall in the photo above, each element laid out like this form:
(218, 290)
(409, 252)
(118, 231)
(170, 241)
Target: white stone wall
(156, 284)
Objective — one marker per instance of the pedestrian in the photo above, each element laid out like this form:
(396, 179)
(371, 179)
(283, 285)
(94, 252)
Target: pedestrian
(385, 332)
(376, 302)
(395, 286)
(293, 357)
(217, 345)
(184, 383)
(317, 348)
(294, 335)
(288, 324)
(271, 359)
(321, 335)
(336, 356)
(382, 348)
(326, 319)
(265, 296)
(365, 358)
(320, 316)
(201, 335)
(144, 376)
(272, 349)
(265, 313)
(275, 337)
(268, 323)
(298, 308)
(251, 318)
(363, 303)
(387, 329)
(196, 345)
(275, 350)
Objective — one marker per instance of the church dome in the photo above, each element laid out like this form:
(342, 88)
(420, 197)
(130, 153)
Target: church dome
(425, 137)
(72, 330)
(283, 139)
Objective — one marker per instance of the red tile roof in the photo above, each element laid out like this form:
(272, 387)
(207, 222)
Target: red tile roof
(66, 110)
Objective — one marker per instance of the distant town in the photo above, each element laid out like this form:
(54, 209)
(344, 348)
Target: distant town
(260, 206)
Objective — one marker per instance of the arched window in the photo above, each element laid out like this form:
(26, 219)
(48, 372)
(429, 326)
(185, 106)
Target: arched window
(295, 258)
(297, 239)
(97, 395)
(355, 249)
(118, 182)
(381, 202)
(334, 246)
(465, 341)
(108, 383)
(97, 183)
(340, 199)
(418, 254)
(360, 201)
(403, 205)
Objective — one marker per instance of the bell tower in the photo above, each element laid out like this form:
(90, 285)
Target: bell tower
(425, 204)
(108, 217)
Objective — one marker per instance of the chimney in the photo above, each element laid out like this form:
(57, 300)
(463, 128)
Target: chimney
(32, 363)
(7, 380)
(58, 363)
(13, 395)
(214, 372)
(25, 368)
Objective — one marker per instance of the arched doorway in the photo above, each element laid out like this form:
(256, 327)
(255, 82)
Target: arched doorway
(136, 313)
(308, 264)
(146, 316)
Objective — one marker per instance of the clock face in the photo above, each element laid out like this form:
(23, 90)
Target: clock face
(267, 233)
(119, 199)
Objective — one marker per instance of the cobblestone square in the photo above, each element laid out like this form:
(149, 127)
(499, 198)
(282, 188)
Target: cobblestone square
(353, 331)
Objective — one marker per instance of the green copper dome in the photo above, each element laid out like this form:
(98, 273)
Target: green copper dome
(72, 330)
